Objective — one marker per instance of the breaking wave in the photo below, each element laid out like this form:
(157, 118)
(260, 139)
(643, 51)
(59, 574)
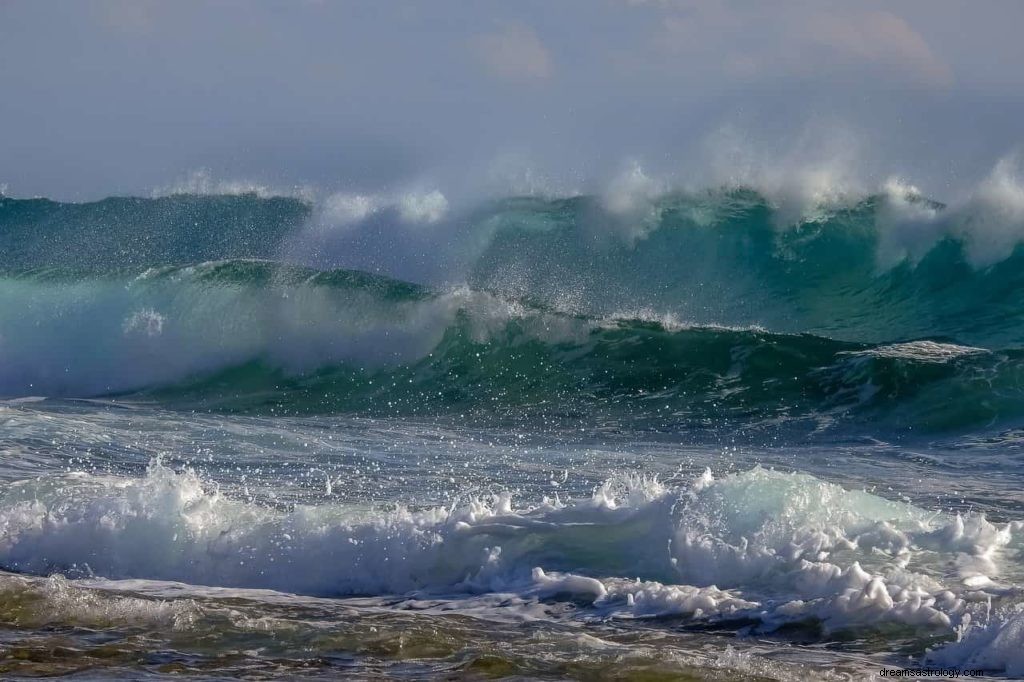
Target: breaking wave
(762, 547)
(659, 307)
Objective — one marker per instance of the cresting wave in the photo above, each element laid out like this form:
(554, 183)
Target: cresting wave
(887, 267)
(758, 549)
(660, 309)
(259, 337)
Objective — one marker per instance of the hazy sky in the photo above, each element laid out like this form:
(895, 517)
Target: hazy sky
(128, 96)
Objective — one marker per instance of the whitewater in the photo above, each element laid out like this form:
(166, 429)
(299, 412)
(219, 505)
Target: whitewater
(723, 433)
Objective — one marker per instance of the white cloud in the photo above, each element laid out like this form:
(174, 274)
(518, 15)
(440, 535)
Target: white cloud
(514, 53)
(881, 38)
(799, 39)
(133, 17)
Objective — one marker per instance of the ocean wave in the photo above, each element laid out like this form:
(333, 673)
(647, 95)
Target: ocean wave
(130, 232)
(889, 266)
(905, 225)
(645, 303)
(761, 546)
(202, 182)
(257, 336)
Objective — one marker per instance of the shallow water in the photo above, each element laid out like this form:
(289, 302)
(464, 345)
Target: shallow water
(268, 547)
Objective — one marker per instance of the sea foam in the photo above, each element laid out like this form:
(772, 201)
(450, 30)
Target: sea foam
(763, 545)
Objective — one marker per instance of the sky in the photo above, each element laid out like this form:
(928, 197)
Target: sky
(108, 97)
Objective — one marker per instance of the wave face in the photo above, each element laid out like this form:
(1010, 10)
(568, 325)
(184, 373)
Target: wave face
(672, 313)
(121, 232)
(874, 270)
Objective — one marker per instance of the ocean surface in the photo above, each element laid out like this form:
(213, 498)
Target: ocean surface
(706, 434)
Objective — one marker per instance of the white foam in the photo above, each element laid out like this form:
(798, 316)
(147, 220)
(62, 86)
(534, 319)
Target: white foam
(345, 209)
(989, 220)
(422, 207)
(995, 644)
(58, 600)
(96, 336)
(146, 321)
(632, 191)
(631, 201)
(760, 544)
(992, 219)
(920, 351)
(804, 180)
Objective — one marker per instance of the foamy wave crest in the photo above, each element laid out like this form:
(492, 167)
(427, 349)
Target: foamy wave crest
(340, 208)
(989, 221)
(102, 335)
(804, 180)
(761, 545)
(201, 182)
(343, 209)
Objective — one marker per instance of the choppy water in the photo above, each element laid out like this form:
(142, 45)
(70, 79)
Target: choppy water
(685, 437)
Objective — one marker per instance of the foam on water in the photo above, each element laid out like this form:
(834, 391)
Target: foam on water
(427, 638)
(343, 209)
(58, 601)
(763, 545)
(994, 643)
(202, 182)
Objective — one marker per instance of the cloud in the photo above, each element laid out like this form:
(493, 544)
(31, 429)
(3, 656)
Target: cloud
(514, 53)
(132, 17)
(798, 40)
(129, 95)
(882, 38)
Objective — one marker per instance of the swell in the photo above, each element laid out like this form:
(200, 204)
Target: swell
(254, 336)
(120, 232)
(883, 268)
(692, 310)
(639, 375)
(846, 271)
